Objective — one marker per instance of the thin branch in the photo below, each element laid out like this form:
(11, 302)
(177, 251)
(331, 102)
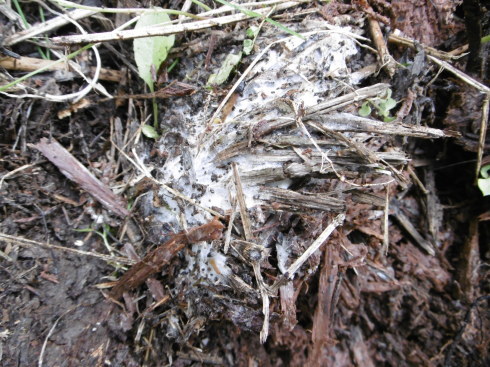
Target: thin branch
(165, 29)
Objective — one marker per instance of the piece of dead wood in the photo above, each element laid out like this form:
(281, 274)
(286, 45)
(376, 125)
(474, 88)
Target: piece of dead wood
(321, 239)
(410, 228)
(359, 196)
(247, 226)
(288, 305)
(386, 60)
(156, 259)
(470, 261)
(323, 327)
(363, 152)
(289, 200)
(433, 209)
(76, 172)
(200, 357)
(349, 122)
(33, 64)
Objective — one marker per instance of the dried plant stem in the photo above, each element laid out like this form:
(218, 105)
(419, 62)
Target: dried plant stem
(289, 274)
(167, 29)
(483, 89)
(47, 26)
(483, 134)
(30, 243)
(385, 58)
(464, 77)
(33, 64)
(407, 42)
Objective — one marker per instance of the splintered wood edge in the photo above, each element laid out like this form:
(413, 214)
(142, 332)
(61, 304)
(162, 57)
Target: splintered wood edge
(247, 227)
(337, 221)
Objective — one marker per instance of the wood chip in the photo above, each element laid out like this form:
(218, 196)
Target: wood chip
(76, 172)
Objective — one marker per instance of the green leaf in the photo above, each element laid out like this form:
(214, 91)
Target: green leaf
(252, 32)
(389, 118)
(151, 51)
(150, 132)
(385, 105)
(365, 109)
(225, 70)
(390, 103)
(485, 171)
(484, 185)
(248, 45)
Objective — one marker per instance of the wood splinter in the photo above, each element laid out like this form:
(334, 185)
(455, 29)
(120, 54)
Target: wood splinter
(156, 259)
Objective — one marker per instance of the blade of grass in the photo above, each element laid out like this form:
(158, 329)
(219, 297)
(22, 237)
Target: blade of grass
(40, 70)
(251, 13)
(43, 19)
(200, 4)
(174, 64)
(27, 26)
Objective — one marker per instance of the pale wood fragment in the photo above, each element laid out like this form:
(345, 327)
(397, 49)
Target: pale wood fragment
(33, 64)
(247, 226)
(293, 201)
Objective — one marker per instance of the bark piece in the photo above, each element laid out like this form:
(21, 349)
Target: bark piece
(293, 201)
(153, 261)
(327, 298)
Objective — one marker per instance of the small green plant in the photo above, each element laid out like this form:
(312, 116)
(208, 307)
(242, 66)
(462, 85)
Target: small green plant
(231, 61)
(104, 235)
(150, 132)
(383, 106)
(151, 52)
(248, 43)
(484, 182)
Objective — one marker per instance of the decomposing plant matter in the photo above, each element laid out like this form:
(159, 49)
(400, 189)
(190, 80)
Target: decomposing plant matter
(153, 262)
(303, 181)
